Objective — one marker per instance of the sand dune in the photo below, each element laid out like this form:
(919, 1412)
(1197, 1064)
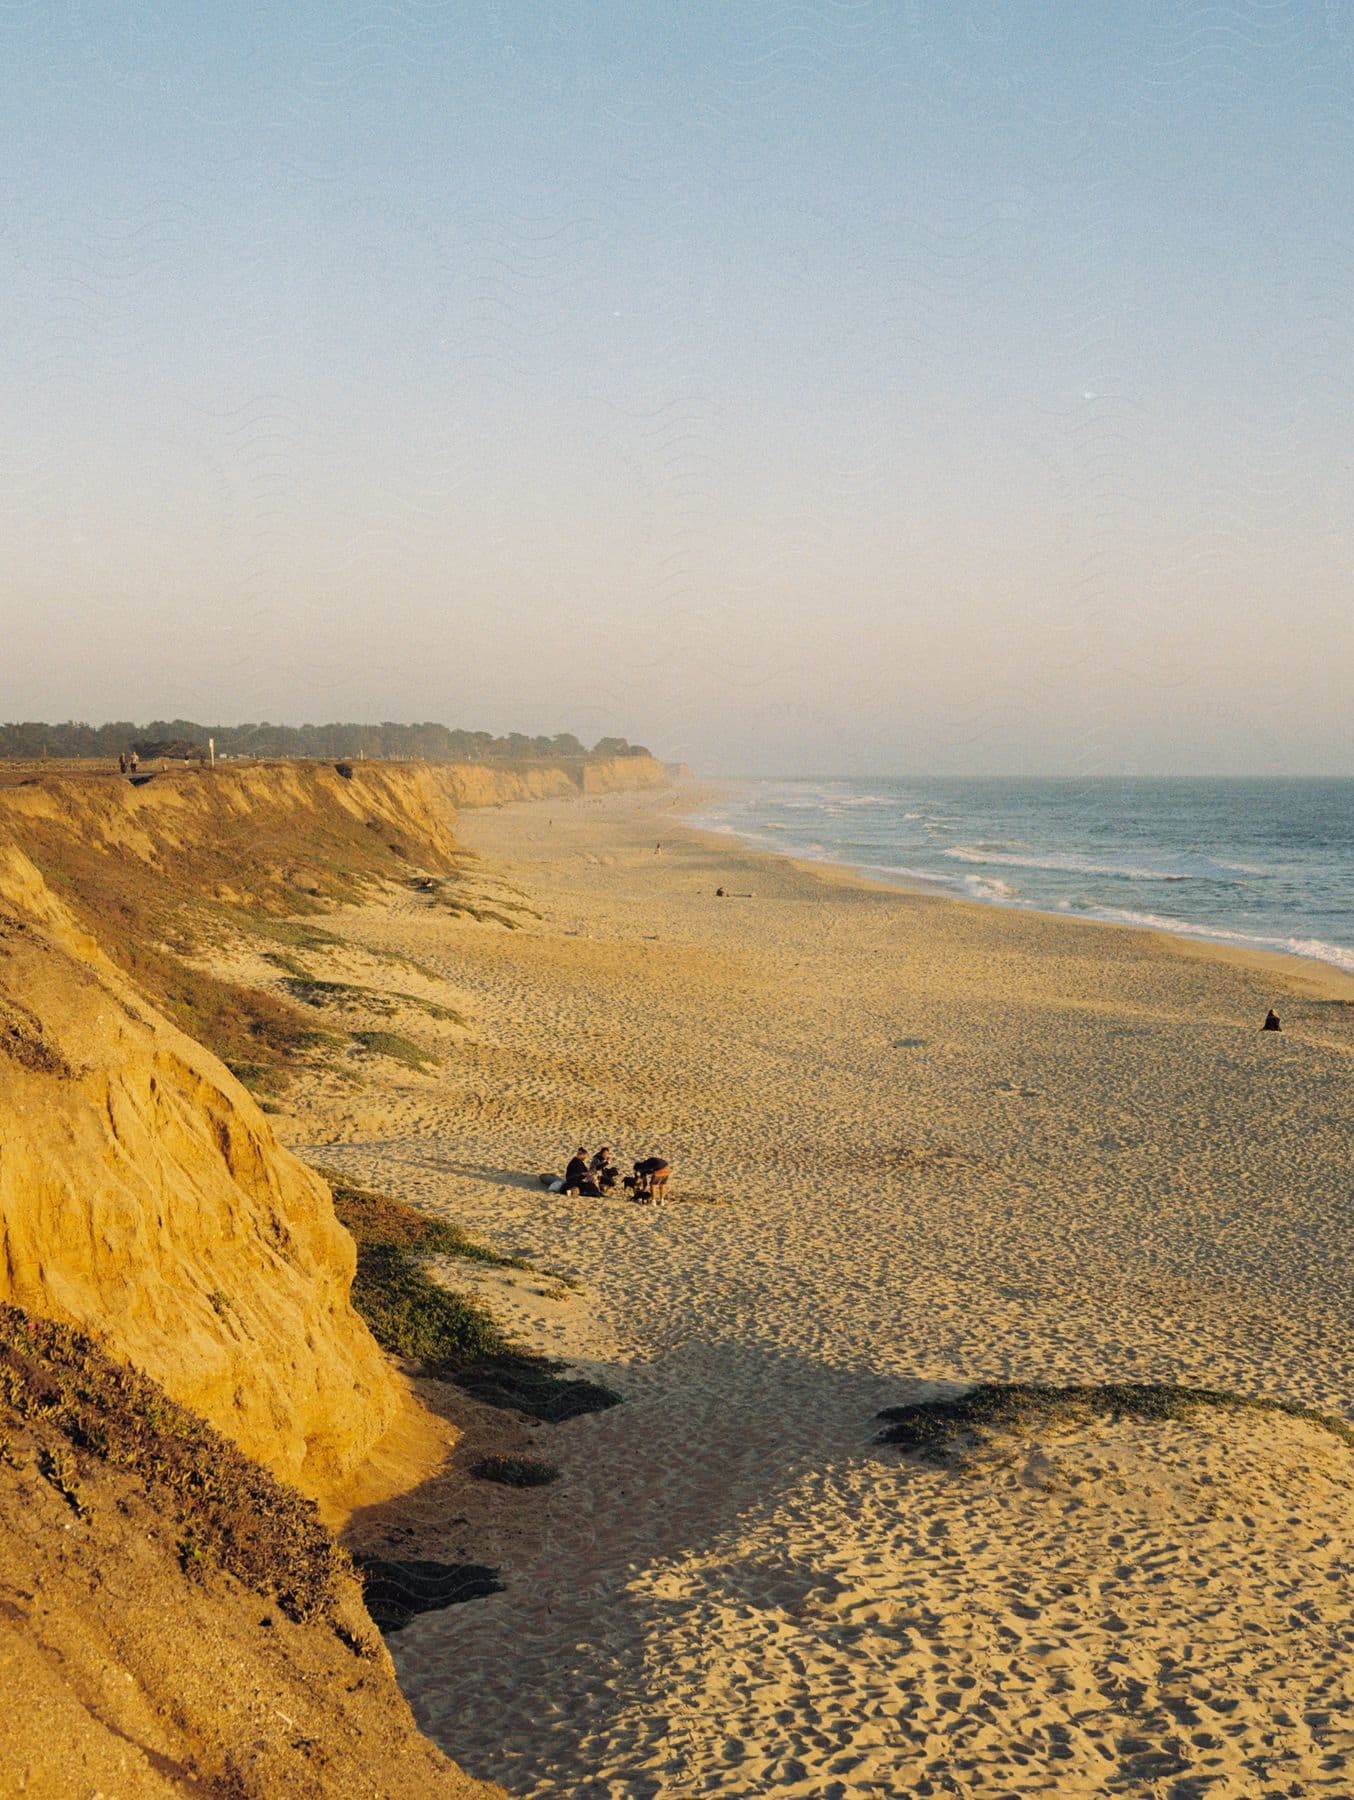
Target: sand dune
(918, 1144)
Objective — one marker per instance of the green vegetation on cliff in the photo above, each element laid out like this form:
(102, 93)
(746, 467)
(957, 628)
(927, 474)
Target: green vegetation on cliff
(65, 1407)
(449, 1335)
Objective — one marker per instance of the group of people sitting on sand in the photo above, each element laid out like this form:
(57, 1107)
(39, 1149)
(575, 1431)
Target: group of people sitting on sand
(595, 1176)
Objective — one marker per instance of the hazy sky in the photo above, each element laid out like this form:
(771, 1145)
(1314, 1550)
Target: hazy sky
(861, 385)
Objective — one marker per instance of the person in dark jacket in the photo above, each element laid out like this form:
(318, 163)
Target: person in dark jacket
(578, 1177)
(650, 1179)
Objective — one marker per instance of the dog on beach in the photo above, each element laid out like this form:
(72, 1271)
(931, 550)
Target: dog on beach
(648, 1185)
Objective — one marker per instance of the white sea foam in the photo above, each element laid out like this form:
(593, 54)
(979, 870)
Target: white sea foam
(931, 877)
(1314, 948)
(990, 887)
(1067, 862)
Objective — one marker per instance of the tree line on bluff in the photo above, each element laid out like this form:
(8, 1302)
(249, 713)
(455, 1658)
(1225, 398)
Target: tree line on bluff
(426, 743)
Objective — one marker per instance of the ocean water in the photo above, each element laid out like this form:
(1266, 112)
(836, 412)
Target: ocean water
(1265, 863)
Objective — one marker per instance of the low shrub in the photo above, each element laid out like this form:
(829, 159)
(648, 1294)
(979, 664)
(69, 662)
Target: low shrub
(398, 1049)
(451, 1336)
(77, 1408)
(933, 1429)
(515, 1471)
(411, 1315)
(378, 1219)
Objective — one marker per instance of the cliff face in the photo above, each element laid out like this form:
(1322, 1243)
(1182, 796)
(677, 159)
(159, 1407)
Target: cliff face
(144, 1197)
(493, 784)
(257, 832)
(250, 834)
(173, 1622)
(623, 774)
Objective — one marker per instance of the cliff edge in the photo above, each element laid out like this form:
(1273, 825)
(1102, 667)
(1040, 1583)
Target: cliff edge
(143, 1194)
(165, 1261)
(144, 1198)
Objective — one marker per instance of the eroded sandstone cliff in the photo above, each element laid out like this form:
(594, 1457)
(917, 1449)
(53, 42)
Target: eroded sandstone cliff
(172, 1620)
(143, 1194)
(144, 1197)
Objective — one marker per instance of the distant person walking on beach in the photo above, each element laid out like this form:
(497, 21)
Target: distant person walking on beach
(133, 762)
(122, 762)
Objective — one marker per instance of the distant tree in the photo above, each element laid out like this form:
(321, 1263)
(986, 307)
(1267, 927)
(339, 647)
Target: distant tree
(331, 742)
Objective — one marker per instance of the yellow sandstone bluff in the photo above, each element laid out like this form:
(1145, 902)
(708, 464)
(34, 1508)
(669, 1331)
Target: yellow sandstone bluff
(145, 1201)
(143, 1195)
(144, 1198)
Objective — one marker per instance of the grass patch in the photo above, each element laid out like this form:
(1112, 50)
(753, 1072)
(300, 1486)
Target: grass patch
(398, 1049)
(300, 935)
(409, 1314)
(296, 932)
(255, 1034)
(483, 915)
(23, 1041)
(288, 964)
(935, 1429)
(398, 958)
(433, 1008)
(449, 1335)
(515, 1471)
(377, 1219)
(79, 1409)
(311, 990)
(58, 1467)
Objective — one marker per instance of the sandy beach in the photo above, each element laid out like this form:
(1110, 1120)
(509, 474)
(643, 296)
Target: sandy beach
(917, 1144)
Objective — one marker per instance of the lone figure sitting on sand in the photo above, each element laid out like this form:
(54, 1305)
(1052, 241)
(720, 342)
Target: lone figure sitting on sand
(1271, 1021)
